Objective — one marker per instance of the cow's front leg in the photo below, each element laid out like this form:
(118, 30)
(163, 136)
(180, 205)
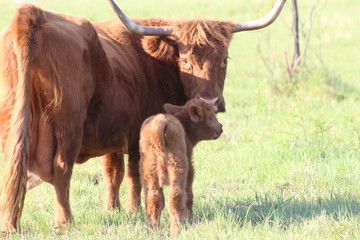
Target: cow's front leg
(133, 182)
(61, 182)
(113, 171)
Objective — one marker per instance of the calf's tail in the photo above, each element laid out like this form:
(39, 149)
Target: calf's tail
(161, 162)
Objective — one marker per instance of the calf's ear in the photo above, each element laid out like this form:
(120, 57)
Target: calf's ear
(171, 109)
(161, 47)
(196, 113)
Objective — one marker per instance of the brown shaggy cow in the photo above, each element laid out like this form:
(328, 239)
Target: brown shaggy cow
(71, 90)
(166, 146)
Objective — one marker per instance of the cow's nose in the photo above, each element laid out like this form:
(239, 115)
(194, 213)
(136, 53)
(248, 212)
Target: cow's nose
(220, 106)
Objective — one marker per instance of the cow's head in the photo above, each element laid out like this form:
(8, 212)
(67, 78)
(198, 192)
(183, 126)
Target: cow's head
(199, 48)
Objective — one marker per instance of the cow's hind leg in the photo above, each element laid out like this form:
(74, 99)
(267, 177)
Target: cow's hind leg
(68, 147)
(113, 171)
(61, 182)
(134, 182)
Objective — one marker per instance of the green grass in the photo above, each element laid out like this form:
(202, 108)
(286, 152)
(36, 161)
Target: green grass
(288, 163)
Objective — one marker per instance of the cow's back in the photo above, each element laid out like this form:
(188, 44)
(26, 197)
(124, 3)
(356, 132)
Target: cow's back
(62, 62)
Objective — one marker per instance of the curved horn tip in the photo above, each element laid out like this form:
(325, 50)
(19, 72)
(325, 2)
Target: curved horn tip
(263, 22)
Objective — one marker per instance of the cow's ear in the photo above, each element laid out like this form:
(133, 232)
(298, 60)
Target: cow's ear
(171, 109)
(196, 113)
(161, 47)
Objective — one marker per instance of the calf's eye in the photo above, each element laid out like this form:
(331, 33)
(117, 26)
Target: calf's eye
(211, 119)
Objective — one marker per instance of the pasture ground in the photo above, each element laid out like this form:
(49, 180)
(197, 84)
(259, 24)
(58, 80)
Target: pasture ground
(288, 163)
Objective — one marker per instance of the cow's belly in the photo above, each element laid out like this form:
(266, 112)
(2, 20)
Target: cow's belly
(94, 146)
(42, 152)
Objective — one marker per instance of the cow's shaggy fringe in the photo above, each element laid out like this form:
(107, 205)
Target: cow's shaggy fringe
(193, 33)
(17, 147)
(200, 31)
(204, 32)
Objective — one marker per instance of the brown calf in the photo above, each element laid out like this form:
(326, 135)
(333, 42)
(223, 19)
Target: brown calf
(166, 144)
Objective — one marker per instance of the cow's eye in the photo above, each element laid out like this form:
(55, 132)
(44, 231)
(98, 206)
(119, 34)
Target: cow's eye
(184, 61)
(226, 60)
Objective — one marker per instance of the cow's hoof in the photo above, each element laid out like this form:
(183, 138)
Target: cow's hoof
(6, 234)
(7, 231)
(59, 229)
(112, 206)
(133, 209)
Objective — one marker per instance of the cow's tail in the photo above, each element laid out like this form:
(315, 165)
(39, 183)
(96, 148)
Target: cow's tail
(17, 147)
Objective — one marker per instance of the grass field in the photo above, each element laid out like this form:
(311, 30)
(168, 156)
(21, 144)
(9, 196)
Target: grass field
(288, 163)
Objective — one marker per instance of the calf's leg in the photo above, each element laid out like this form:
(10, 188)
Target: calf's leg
(177, 196)
(154, 201)
(189, 192)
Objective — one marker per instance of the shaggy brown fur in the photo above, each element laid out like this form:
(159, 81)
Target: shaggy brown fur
(166, 145)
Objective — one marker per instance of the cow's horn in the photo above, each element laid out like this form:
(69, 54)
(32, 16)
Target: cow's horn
(261, 22)
(138, 29)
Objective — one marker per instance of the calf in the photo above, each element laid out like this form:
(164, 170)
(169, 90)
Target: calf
(166, 145)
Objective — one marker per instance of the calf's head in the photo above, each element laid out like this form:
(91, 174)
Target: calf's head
(198, 119)
(198, 48)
